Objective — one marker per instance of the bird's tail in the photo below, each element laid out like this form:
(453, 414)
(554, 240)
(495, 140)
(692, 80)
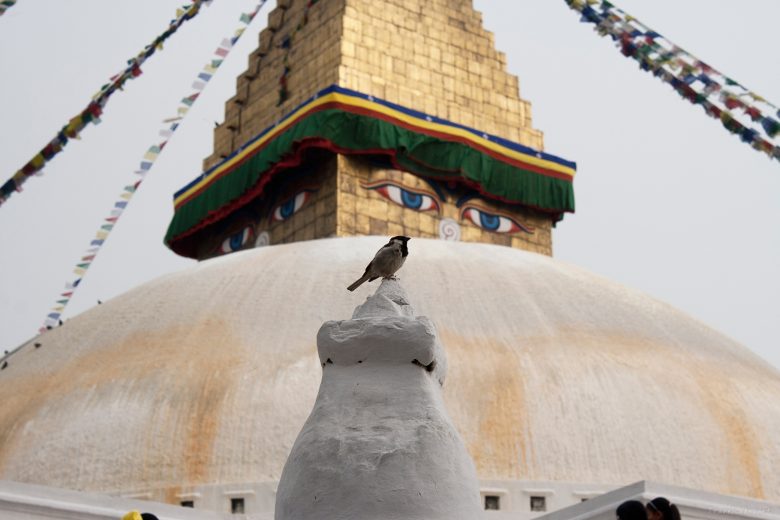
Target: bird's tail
(359, 282)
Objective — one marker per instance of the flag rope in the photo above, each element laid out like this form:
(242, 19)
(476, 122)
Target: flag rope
(92, 112)
(741, 111)
(148, 160)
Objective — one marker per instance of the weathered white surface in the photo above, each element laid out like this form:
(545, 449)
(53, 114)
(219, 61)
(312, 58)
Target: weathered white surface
(555, 374)
(378, 443)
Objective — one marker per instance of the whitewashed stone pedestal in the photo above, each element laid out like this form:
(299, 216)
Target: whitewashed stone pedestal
(378, 443)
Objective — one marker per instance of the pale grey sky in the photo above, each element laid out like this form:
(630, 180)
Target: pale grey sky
(667, 201)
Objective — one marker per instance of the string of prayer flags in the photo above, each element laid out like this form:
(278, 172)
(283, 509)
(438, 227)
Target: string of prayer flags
(741, 111)
(120, 205)
(5, 5)
(91, 114)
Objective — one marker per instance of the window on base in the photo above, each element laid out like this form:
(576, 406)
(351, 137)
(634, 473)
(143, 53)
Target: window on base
(538, 504)
(237, 506)
(492, 502)
(187, 503)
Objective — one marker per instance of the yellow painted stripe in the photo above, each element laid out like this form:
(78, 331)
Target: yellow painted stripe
(376, 107)
(460, 132)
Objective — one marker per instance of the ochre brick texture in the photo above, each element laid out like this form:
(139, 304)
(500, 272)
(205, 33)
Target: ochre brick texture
(430, 55)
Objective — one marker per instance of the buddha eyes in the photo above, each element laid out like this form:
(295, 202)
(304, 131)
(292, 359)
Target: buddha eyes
(291, 206)
(491, 221)
(406, 197)
(236, 241)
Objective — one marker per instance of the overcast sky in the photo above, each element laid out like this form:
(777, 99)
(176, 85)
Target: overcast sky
(667, 201)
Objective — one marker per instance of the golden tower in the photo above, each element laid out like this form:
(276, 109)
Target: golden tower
(356, 117)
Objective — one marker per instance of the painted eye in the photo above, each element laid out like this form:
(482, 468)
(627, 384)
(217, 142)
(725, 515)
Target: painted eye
(416, 200)
(236, 241)
(493, 222)
(291, 206)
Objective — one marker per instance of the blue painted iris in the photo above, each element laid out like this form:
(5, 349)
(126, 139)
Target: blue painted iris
(489, 221)
(406, 197)
(492, 222)
(236, 241)
(291, 206)
(411, 200)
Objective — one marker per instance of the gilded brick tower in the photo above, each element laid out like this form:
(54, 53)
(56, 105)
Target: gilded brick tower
(388, 117)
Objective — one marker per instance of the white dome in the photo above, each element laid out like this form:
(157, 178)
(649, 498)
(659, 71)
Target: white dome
(206, 375)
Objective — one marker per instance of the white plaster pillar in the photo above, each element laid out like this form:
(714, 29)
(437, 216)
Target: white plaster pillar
(378, 443)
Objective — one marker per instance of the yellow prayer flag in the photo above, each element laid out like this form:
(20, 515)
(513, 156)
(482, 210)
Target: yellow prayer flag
(74, 125)
(101, 235)
(182, 110)
(79, 271)
(126, 196)
(150, 156)
(179, 12)
(38, 161)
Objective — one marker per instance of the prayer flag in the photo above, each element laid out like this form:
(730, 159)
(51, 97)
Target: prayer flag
(771, 127)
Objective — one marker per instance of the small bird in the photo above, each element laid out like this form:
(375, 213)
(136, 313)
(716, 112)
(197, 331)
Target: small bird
(386, 262)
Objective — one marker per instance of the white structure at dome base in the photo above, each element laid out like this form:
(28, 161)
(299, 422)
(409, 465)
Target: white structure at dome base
(378, 443)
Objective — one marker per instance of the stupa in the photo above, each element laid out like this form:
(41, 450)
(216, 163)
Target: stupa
(354, 121)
